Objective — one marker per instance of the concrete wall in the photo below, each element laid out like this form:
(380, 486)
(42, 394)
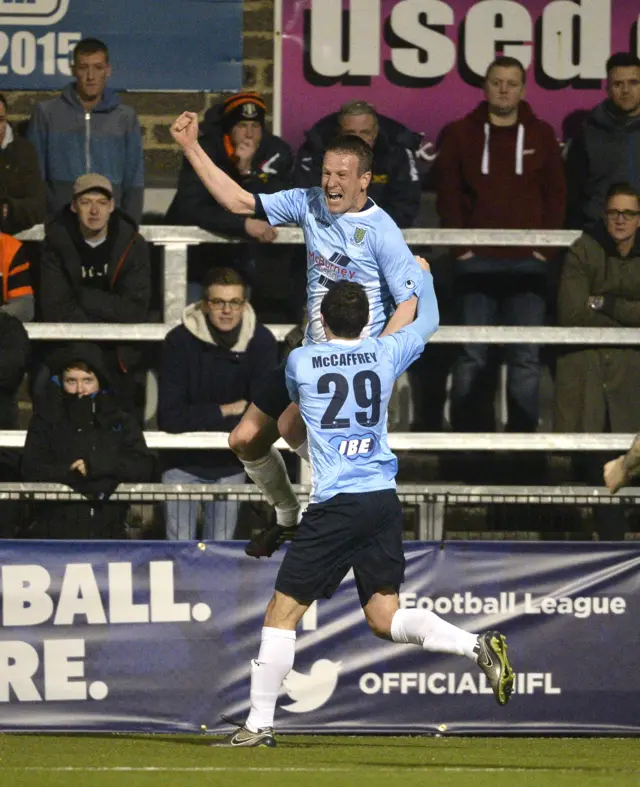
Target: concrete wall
(156, 111)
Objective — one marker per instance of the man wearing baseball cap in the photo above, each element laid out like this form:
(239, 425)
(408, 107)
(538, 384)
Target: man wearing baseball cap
(235, 138)
(95, 268)
(92, 182)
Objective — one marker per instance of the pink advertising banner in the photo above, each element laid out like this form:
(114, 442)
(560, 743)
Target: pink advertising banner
(422, 61)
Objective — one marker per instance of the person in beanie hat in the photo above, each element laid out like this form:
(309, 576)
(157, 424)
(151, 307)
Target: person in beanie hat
(242, 122)
(243, 106)
(234, 136)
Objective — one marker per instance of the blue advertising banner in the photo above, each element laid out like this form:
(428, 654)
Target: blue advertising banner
(154, 44)
(155, 636)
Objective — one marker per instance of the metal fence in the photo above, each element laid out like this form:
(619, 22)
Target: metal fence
(434, 512)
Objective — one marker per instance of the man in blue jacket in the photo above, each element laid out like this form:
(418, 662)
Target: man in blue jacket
(86, 129)
(211, 366)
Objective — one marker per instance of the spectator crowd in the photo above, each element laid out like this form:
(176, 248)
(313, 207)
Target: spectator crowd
(80, 171)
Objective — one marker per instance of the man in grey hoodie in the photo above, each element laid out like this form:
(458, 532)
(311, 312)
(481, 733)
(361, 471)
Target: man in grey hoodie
(87, 130)
(607, 150)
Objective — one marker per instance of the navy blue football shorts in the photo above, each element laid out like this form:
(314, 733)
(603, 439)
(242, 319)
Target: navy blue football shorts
(360, 531)
(272, 397)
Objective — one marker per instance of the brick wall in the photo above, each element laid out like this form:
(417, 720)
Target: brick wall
(156, 111)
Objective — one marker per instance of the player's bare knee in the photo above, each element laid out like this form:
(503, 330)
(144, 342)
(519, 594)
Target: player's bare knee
(239, 440)
(379, 612)
(246, 442)
(254, 435)
(379, 621)
(380, 626)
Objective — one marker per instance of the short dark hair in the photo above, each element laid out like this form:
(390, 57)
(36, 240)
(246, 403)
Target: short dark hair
(89, 46)
(345, 309)
(622, 189)
(622, 60)
(3, 101)
(82, 365)
(504, 61)
(226, 277)
(353, 146)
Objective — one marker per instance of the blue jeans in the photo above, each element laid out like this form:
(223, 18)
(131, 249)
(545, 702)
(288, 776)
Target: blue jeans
(498, 299)
(181, 516)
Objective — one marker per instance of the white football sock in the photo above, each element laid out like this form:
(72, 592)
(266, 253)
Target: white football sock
(430, 632)
(274, 662)
(303, 451)
(270, 474)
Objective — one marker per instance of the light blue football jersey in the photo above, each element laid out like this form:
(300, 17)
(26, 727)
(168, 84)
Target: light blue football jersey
(365, 247)
(343, 388)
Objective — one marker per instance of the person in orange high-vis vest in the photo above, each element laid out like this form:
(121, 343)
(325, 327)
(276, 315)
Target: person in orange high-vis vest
(15, 278)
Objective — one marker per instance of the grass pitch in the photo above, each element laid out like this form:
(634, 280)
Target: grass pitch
(317, 761)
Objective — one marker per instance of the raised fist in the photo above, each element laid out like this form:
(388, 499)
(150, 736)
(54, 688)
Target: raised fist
(184, 129)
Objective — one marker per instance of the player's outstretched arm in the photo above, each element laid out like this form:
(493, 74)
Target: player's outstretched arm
(620, 471)
(222, 188)
(406, 311)
(428, 317)
(403, 315)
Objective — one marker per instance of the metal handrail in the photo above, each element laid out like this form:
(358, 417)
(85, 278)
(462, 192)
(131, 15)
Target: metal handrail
(447, 334)
(408, 493)
(398, 441)
(176, 239)
(191, 236)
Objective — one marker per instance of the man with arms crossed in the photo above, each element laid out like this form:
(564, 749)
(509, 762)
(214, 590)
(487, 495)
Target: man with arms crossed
(343, 387)
(348, 237)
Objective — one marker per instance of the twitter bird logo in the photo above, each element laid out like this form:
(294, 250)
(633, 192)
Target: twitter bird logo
(311, 691)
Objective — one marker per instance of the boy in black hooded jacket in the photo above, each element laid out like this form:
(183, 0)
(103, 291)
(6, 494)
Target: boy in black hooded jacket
(79, 436)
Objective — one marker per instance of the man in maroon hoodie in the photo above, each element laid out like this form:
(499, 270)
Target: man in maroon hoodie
(500, 167)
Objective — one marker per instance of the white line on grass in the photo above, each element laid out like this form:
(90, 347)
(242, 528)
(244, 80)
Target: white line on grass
(277, 769)
(155, 769)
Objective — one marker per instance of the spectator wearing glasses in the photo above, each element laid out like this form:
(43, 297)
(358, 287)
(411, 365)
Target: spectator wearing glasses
(607, 150)
(211, 367)
(598, 386)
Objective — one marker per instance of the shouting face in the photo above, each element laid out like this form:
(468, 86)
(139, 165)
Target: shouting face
(345, 188)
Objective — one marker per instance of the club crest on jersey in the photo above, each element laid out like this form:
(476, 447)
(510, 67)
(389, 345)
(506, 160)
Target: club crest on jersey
(358, 235)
